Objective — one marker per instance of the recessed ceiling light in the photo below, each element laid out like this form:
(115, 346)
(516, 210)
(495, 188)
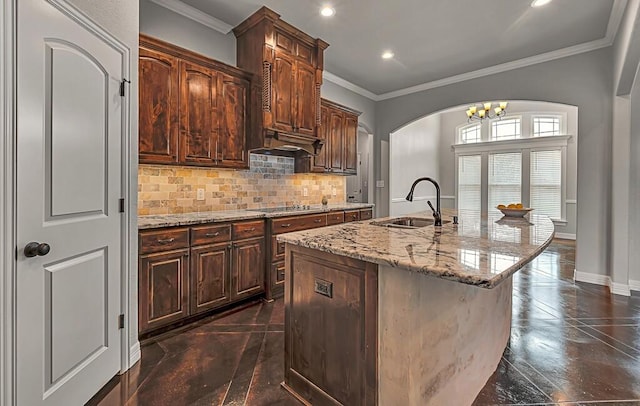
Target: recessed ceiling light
(387, 55)
(540, 3)
(327, 11)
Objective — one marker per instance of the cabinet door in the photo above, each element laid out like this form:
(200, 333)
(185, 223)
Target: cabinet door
(198, 114)
(336, 127)
(350, 143)
(209, 277)
(163, 288)
(305, 122)
(234, 122)
(283, 92)
(247, 272)
(321, 161)
(158, 107)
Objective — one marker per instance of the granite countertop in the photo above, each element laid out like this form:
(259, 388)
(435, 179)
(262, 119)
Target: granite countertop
(480, 251)
(171, 220)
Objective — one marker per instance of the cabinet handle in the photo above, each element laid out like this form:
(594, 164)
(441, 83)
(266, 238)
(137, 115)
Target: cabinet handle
(317, 221)
(212, 234)
(249, 230)
(285, 225)
(166, 241)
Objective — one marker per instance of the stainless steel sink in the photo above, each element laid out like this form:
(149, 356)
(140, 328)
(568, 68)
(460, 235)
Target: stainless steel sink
(407, 222)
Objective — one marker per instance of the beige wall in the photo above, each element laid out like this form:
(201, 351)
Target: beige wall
(164, 189)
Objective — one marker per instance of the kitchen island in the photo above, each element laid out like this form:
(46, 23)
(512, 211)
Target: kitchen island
(392, 315)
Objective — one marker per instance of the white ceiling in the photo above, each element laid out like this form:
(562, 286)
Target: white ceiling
(434, 41)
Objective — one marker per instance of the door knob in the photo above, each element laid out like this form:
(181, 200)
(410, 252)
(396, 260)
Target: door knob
(36, 249)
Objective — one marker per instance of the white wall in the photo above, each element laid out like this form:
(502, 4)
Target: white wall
(454, 118)
(583, 80)
(413, 153)
(625, 162)
(168, 26)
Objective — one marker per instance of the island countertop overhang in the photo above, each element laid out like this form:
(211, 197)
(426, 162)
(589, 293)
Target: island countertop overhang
(481, 251)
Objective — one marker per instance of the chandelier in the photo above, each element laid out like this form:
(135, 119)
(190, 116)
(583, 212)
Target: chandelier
(485, 111)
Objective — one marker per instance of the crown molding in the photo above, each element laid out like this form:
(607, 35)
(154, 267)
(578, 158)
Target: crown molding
(194, 14)
(349, 86)
(615, 18)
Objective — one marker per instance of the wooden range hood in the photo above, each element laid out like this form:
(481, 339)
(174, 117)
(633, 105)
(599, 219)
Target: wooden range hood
(285, 97)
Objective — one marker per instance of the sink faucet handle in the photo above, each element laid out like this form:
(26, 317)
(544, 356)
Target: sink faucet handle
(432, 209)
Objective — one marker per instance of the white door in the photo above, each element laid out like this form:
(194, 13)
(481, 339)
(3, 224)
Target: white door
(69, 121)
(354, 184)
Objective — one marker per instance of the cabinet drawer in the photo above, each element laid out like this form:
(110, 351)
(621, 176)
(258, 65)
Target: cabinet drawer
(289, 224)
(277, 249)
(210, 234)
(366, 214)
(353, 215)
(248, 229)
(163, 240)
(277, 273)
(335, 218)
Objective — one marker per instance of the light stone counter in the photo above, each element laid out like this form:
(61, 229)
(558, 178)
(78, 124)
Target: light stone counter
(478, 251)
(171, 220)
(416, 297)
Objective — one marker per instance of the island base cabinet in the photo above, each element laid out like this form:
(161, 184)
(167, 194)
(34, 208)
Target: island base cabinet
(330, 328)
(163, 280)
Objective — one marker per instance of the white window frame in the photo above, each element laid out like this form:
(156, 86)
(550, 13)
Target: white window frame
(505, 118)
(560, 116)
(524, 146)
(462, 128)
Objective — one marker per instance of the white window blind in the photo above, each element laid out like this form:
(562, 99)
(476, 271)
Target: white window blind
(546, 126)
(546, 183)
(470, 134)
(505, 173)
(469, 182)
(508, 129)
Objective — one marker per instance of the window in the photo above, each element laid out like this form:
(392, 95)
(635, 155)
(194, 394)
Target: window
(544, 126)
(470, 134)
(469, 183)
(505, 173)
(508, 129)
(546, 182)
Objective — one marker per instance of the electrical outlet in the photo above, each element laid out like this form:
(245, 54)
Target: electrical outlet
(200, 194)
(305, 192)
(334, 192)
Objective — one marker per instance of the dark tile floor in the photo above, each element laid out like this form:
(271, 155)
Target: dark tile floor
(571, 343)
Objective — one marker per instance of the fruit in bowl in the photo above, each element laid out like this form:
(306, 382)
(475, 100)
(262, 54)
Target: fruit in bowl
(513, 209)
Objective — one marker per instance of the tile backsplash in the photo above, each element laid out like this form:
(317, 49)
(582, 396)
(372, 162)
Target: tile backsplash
(270, 182)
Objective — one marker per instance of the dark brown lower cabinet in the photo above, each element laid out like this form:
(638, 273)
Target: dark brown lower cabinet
(163, 286)
(247, 268)
(330, 328)
(210, 273)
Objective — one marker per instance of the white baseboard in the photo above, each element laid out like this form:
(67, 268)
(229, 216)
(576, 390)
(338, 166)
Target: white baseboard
(565, 236)
(603, 280)
(634, 285)
(620, 289)
(134, 354)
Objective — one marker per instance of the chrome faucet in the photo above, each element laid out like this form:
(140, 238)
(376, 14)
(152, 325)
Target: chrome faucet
(437, 216)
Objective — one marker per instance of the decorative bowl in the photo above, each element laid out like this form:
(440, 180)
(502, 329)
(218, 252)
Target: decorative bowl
(515, 212)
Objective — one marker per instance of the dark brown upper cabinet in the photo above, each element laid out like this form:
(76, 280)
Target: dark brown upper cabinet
(192, 110)
(158, 101)
(339, 132)
(288, 65)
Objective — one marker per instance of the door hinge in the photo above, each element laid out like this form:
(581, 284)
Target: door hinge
(121, 322)
(122, 86)
(121, 206)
